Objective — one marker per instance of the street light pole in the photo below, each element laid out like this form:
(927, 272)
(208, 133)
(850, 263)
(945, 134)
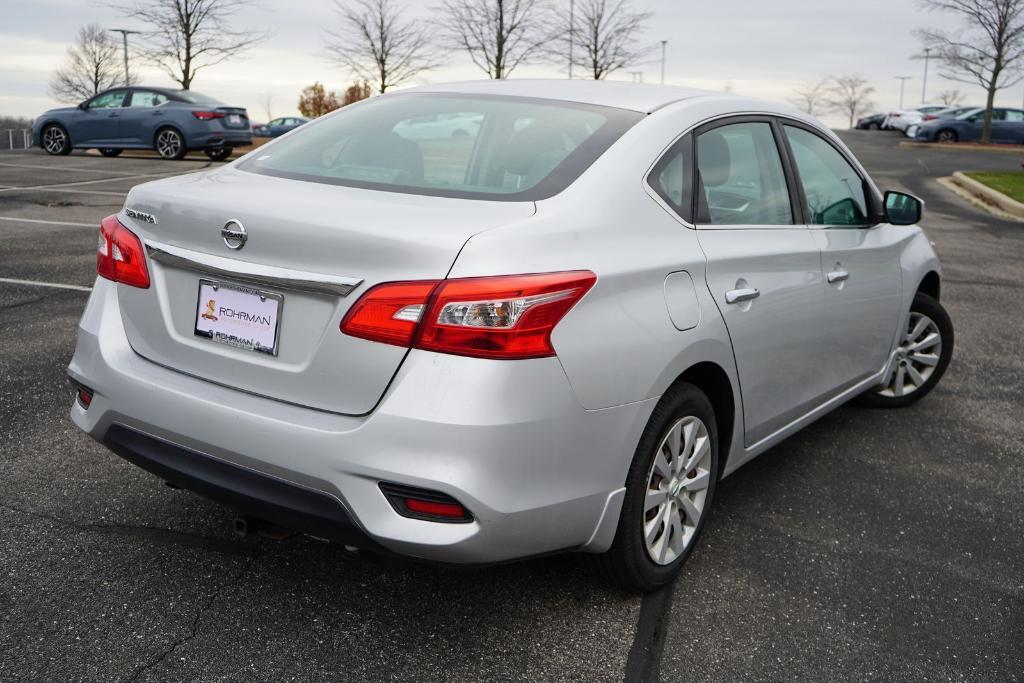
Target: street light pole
(663, 43)
(924, 83)
(124, 41)
(572, 32)
(903, 81)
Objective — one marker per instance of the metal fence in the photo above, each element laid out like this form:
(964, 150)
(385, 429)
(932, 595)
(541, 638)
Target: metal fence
(15, 138)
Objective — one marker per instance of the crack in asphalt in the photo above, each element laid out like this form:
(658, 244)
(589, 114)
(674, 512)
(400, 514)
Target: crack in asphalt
(28, 302)
(984, 283)
(200, 613)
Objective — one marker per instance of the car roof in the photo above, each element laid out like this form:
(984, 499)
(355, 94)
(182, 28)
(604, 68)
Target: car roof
(640, 97)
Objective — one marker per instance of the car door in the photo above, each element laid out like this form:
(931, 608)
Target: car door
(141, 115)
(99, 122)
(763, 270)
(860, 258)
(1009, 127)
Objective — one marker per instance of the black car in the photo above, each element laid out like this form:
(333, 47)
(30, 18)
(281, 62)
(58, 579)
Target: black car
(873, 122)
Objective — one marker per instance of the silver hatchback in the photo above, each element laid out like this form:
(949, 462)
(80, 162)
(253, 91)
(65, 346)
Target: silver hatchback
(552, 327)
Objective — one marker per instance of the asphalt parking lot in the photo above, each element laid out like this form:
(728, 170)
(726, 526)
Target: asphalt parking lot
(873, 545)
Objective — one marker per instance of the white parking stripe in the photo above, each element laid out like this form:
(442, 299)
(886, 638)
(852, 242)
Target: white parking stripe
(92, 182)
(39, 220)
(66, 168)
(55, 285)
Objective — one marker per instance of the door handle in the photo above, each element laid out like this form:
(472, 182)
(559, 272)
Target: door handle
(838, 276)
(112, 116)
(158, 113)
(735, 296)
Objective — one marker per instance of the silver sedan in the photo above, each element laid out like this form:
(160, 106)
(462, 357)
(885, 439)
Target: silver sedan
(555, 332)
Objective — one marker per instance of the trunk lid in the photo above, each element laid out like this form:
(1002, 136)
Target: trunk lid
(330, 232)
(235, 118)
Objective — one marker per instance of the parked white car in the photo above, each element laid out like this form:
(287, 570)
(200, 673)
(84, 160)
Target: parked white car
(900, 119)
(557, 338)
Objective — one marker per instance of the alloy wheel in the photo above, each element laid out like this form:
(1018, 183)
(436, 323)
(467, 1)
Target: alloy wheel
(677, 488)
(916, 357)
(168, 144)
(947, 136)
(54, 139)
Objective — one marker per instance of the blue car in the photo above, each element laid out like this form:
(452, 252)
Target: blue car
(1007, 127)
(170, 121)
(279, 126)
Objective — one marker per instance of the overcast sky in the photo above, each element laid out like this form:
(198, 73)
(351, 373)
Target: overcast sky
(757, 47)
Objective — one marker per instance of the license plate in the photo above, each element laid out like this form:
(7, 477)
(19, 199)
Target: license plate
(239, 316)
(234, 118)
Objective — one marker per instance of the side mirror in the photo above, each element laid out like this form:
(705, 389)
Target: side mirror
(902, 209)
(83, 105)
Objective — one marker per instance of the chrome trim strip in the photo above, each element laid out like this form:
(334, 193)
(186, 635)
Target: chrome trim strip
(250, 273)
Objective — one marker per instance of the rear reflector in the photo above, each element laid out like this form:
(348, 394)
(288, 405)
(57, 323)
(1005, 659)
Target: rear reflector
(120, 256)
(417, 503)
(504, 317)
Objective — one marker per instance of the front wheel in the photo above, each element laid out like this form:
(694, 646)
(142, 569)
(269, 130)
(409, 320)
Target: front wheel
(110, 152)
(946, 135)
(56, 140)
(170, 144)
(669, 490)
(922, 357)
(219, 154)
(874, 126)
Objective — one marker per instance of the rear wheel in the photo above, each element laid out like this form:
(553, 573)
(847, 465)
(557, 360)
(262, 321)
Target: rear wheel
(874, 126)
(56, 140)
(946, 135)
(922, 357)
(669, 491)
(219, 154)
(110, 152)
(170, 144)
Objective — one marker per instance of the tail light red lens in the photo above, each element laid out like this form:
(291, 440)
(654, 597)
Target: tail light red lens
(930, 117)
(505, 317)
(207, 115)
(120, 256)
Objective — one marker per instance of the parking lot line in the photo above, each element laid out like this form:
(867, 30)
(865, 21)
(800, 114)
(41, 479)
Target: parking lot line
(35, 283)
(39, 220)
(98, 180)
(76, 169)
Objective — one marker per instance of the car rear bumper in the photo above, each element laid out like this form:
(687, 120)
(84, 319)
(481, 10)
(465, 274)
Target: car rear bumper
(223, 138)
(507, 439)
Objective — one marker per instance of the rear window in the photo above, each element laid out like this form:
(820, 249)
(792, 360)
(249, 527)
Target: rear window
(479, 147)
(197, 98)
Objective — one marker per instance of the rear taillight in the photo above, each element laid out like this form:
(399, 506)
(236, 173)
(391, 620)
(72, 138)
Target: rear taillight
(505, 317)
(120, 256)
(930, 117)
(207, 115)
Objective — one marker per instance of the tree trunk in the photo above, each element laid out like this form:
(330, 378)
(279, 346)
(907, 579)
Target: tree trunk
(986, 129)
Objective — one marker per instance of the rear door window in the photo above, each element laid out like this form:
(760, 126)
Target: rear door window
(146, 98)
(741, 178)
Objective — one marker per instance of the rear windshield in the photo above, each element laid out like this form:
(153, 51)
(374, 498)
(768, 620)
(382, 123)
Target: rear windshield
(196, 97)
(480, 147)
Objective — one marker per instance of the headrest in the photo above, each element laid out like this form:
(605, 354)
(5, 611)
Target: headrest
(713, 158)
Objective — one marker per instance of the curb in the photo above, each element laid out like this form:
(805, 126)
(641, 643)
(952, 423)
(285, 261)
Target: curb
(963, 147)
(988, 196)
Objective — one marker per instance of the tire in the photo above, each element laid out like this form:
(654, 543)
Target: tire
(630, 562)
(110, 152)
(946, 135)
(874, 126)
(219, 154)
(902, 388)
(55, 140)
(169, 144)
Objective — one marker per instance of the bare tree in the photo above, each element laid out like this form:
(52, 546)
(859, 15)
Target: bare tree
(184, 36)
(92, 66)
(951, 98)
(849, 95)
(605, 36)
(375, 44)
(499, 35)
(811, 97)
(989, 51)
